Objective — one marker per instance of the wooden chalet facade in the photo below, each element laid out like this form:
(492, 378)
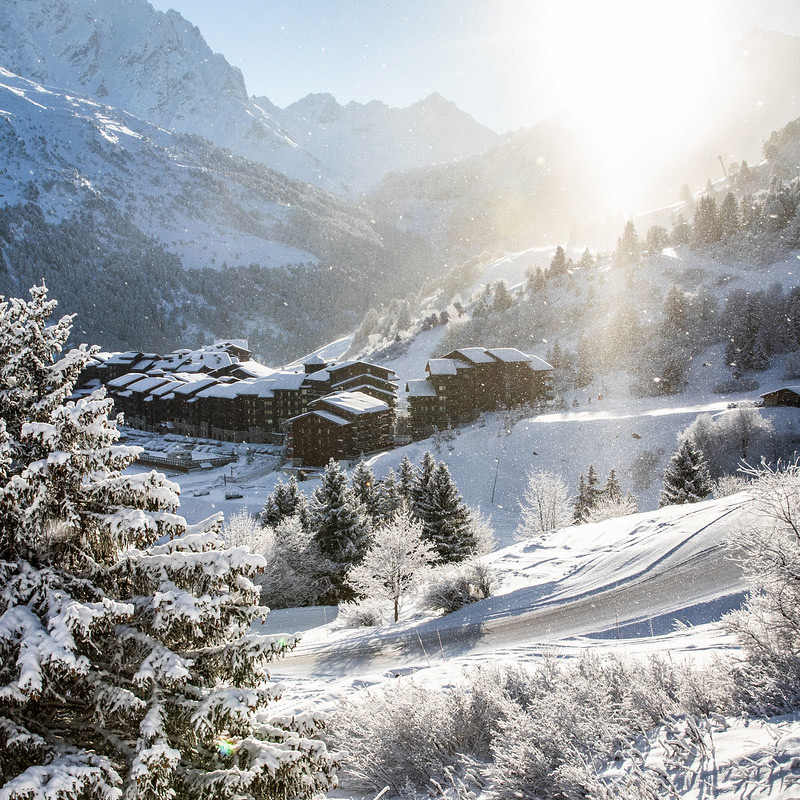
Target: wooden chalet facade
(785, 396)
(342, 425)
(211, 394)
(465, 382)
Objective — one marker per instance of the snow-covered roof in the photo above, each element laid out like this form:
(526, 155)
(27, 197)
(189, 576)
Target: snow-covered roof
(320, 376)
(315, 360)
(539, 364)
(287, 381)
(353, 402)
(191, 387)
(224, 390)
(442, 366)
(321, 412)
(124, 380)
(475, 355)
(127, 357)
(147, 384)
(260, 387)
(420, 388)
(342, 364)
(795, 388)
(362, 386)
(254, 369)
(509, 355)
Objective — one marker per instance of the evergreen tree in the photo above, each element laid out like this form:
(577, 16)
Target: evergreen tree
(286, 500)
(126, 668)
(446, 521)
(536, 282)
(585, 367)
(686, 478)
(728, 216)
(586, 261)
(558, 264)
(390, 500)
(406, 478)
(587, 496)
(340, 526)
(612, 490)
(628, 249)
(705, 227)
(365, 488)
(681, 231)
(421, 477)
(656, 240)
(580, 507)
(502, 297)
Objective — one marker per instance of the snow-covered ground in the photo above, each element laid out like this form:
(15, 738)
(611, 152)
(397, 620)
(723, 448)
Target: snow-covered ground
(655, 582)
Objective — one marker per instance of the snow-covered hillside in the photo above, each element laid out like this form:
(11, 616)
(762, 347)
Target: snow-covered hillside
(94, 197)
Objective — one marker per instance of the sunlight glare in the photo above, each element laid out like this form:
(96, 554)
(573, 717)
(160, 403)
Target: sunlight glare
(633, 71)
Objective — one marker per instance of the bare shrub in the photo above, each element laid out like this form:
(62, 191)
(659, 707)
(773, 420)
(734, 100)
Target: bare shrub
(453, 586)
(545, 731)
(359, 614)
(768, 624)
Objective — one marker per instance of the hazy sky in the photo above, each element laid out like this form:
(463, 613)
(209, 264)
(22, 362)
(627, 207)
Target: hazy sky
(506, 62)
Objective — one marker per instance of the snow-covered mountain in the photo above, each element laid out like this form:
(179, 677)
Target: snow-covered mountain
(157, 66)
(113, 211)
(364, 142)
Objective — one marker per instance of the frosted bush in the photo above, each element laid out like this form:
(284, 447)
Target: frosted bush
(547, 731)
(452, 587)
(728, 485)
(768, 625)
(360, 614)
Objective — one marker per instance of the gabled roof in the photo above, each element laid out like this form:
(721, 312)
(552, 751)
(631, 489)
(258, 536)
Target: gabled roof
(321, 413)
(332, 368)
(420, 388)
(124, 380)
(287, 381)
(508, 355)
(442, 366)
(795, 389)
(351, 402)
(474, 355)
(260, 387)
(539, 364)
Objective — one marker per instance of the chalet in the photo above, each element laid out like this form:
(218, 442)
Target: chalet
(785, 396)
(465, 382)
(210, 393)
(342, 425)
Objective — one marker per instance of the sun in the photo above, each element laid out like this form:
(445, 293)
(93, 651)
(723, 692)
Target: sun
(632, 72)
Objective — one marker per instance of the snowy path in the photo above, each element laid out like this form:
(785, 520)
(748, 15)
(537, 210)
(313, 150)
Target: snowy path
(655, 569)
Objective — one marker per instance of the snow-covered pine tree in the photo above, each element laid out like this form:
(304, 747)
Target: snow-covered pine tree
(446, 520)
(365, 487)
(127, 668)
(341, 529)
(580, 506)
(686, 478)
(612, 490)
(389, 496)
(406, 478)
(286, 500)
(421, 477)
(394, 563)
